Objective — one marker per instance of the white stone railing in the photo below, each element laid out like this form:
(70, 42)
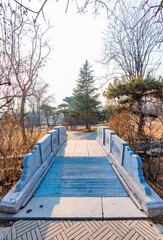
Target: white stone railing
(129, 167)
(35, 166)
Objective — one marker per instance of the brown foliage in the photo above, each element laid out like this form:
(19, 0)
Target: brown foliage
(125, 126)
(12, 149)
(122, 124)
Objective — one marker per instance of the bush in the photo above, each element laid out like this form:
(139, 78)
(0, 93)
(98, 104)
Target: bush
(148, 145)
(12, 149)
(124, 127)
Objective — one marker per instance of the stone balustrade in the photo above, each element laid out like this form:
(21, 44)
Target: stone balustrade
(35, 166)
(129, 167)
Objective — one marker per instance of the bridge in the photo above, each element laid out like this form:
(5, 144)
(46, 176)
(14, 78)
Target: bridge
(83, 176)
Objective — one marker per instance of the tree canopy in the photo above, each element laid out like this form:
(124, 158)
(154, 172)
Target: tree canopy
(134, 89)
(134, 95)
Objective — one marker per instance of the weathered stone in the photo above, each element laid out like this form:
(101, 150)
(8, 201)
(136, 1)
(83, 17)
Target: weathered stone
(61, 134)
(13, 200)
(101, 134)
(117, 148)
(152, 204)
(108, 137)
(133, 164)
(54, 139)
(31, 163)
(45, 146)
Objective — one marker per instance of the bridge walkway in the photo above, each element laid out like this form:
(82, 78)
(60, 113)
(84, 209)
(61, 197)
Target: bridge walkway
(81, 170)
(81, 183)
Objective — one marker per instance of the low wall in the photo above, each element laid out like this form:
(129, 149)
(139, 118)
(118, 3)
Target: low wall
(129, 166)
(35, 166)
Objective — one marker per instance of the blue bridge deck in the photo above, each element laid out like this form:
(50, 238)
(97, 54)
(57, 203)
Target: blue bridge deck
(73, 176)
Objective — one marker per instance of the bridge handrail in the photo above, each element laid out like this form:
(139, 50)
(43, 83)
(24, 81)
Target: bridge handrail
(35, 165)
(129, 166)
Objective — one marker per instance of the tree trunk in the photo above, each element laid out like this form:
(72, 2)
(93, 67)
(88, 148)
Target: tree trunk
(159, 160)
(141, 118)
(38, 113)
(47, 120)
(22, 118)
(141, 124)
(88, 127)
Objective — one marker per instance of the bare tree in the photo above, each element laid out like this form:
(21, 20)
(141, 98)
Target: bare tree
(81, 6)
(35, 101)
(25, 51)
(153, 6)
(129, 42)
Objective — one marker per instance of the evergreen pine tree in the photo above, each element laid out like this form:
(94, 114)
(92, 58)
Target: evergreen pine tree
(132, 95)
(85, 97)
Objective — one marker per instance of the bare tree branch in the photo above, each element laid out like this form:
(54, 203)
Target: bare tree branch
(23, 53)
(129, 46)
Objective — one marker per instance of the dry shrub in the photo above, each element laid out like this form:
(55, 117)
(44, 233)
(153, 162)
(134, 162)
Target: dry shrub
(151, 143)
(12, 150)
(122, 125)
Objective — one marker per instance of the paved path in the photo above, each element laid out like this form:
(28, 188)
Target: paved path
(66, 230)
(72, 135)
(52, 229)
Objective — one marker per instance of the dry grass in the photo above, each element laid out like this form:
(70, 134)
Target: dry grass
(152, 128)
(12, 151)
(156, 129)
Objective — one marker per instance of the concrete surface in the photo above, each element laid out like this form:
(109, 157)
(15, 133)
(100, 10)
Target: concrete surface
(78, 208)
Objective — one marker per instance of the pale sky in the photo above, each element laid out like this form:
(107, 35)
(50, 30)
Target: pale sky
(74, 39)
